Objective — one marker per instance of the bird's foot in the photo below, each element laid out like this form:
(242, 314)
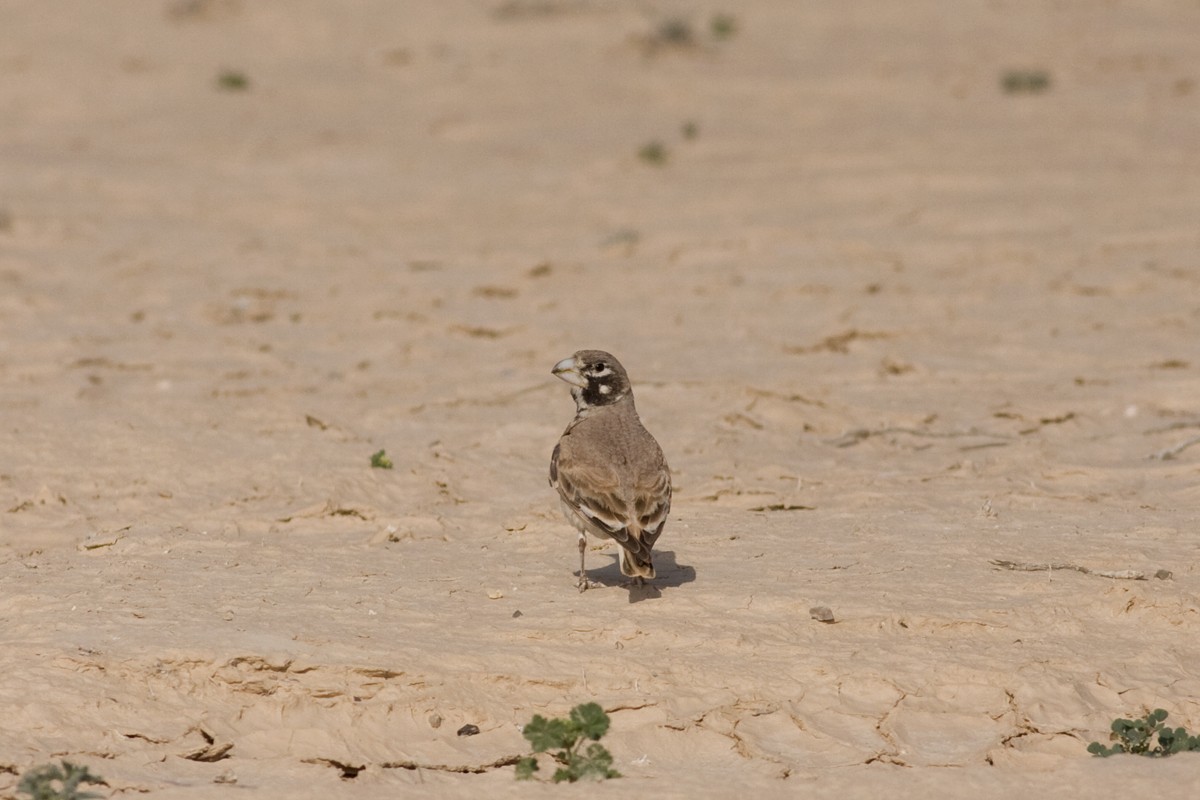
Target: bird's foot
(583, 583)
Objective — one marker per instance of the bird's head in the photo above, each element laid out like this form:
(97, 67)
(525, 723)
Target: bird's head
(596, 378)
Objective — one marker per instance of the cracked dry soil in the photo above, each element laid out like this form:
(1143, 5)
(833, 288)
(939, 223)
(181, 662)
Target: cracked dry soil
(902, 335)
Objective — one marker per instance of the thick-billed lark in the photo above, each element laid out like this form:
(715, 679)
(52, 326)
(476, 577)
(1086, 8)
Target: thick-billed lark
(611, 477)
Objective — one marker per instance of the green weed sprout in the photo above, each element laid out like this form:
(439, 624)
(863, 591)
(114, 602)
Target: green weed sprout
(565, 738)
(54, 782)
(1137, 736)
(1027, 81)
(654, 152)
(722, 26)
(232, 81)
(380, 460)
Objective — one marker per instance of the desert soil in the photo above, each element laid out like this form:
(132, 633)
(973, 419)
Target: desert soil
(891, 320)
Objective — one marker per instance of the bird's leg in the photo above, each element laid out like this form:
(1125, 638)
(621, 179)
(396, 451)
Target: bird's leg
(583, 581)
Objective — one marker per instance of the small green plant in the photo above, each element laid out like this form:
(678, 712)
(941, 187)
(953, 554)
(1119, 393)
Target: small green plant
(58, 782)
(690, 129)
(380, 460)
(1137, 736)
(232, 81)
(654, 152)
(722, 26)
(1025, 81)
(565, 737)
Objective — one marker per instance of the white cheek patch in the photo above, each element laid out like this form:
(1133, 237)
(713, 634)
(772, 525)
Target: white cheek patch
(605, 389)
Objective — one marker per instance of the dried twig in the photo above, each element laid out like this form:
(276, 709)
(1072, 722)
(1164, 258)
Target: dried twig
(1171, 452)
(1118, 574)
(857, 435)
(1174, 426)
(470, 769)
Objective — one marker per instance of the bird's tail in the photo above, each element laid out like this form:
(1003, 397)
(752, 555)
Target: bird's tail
(636, 565)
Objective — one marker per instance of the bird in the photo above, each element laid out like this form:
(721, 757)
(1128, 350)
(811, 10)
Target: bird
(611, 476)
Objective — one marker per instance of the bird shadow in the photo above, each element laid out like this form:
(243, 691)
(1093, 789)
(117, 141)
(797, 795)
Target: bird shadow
(670, 574)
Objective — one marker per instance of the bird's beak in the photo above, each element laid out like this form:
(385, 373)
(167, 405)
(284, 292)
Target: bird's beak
(568, 371)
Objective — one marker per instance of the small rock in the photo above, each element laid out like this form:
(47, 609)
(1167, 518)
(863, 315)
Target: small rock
(435, 720)
(98, 539)
(1164, 575)
(517, 614)
(822, 614)
(495, 594)
(468, 730)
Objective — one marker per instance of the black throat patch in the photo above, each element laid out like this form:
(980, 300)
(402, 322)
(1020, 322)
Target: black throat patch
(601, 390)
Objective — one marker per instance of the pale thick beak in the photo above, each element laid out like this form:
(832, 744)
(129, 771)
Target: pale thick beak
(568, 371)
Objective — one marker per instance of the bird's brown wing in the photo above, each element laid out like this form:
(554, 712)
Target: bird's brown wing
(593, 489)
(652, 502)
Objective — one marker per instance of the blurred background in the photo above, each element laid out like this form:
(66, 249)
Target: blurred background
(218, 214)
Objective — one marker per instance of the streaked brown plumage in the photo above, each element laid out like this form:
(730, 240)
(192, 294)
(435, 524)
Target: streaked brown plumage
(610, 473)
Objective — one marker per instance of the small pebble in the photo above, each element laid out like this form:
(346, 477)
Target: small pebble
(1163, 575)
(517, 614)
(821, 614)
(468, 730)
(435, 720)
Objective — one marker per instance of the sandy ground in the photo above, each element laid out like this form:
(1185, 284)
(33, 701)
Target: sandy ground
(889, 322)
